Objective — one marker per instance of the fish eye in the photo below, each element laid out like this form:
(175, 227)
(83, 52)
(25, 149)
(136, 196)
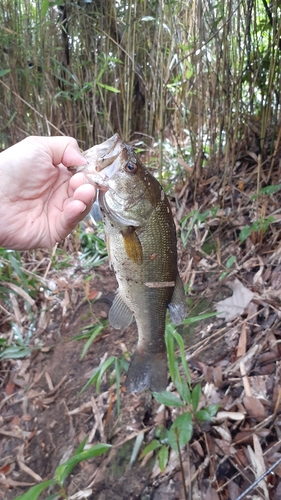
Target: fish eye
(131, 167)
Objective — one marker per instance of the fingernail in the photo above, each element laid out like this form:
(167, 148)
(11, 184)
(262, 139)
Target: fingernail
(84, 208)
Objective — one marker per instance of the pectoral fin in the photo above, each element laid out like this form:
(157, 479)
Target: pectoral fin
(119, 315)
(132, 245)
(177, 306)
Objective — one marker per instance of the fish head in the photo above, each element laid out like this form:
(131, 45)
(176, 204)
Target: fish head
(128, 192)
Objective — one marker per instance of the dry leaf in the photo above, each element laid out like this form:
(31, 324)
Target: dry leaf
(233, 490)
(258, 464)
(242, 344)
(94, 295)
(254, 407)
(234, 306)
(10, 387)
(211, 494)
(231, 415)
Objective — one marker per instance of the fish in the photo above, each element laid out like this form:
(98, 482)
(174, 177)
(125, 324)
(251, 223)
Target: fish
(142, 248)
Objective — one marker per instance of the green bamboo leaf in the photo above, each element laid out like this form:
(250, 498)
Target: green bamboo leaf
(4, 72)
(44, 8)
(11, 119)
(92, 380)
(195, 319)
(95, 451)
(153, 445)
(98, 374)
(64, 470)
(181, 431)
(183, 390)
(212, 410)
(118, 383)
(245, 233)
(35, 491)
(195, 396)
(103, 369)
(15, 352)
(223, 275)
(207, 413)
(108, 87)
(267, 191)
(163, 457)
(161, 433)
(180, 342)
(167, 398)
(97, 330)
(169, 339)
(202, 416)
(230, 261)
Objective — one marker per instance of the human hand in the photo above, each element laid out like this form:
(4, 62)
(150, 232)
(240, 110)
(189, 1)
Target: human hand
(40, 201)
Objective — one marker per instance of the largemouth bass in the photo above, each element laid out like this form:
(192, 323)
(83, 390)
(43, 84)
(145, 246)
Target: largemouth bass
(141, 242)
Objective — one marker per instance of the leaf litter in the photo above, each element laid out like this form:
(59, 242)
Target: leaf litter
(235, 356)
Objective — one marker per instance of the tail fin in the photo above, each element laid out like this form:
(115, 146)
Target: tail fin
(147, 371)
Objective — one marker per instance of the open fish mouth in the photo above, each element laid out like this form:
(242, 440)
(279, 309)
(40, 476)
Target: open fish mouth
(102, 161)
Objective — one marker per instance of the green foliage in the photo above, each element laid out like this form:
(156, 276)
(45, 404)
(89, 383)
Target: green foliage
(25, 285)
(36, 491)
(229, 263)
(187, 401)
(261, 225)
(168, 399)
(266, 191)
(12, 271)
(195, 218)
(90, 332)
(113, 366)
(60, 259)
(181, 431)
(93, 247)
(163, 457)
(64, 470)
(18, 348)
(121, 80)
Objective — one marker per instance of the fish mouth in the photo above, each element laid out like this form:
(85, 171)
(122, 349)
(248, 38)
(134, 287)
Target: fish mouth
(102, 162)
